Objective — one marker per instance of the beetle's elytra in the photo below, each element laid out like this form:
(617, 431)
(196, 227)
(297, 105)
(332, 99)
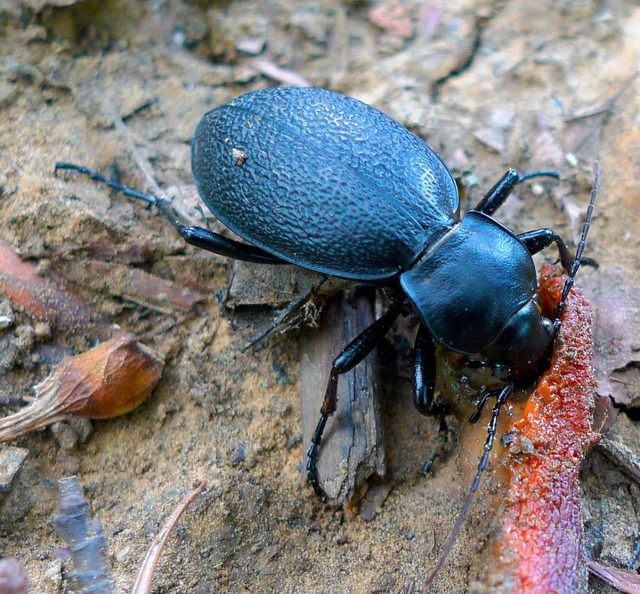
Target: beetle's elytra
(327, 183)
(323, 181)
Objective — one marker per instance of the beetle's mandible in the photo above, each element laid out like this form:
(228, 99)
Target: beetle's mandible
(323, 181)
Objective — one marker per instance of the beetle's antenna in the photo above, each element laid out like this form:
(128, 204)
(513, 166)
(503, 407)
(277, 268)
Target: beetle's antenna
(581, 245)
(160, 199)
(482, 465)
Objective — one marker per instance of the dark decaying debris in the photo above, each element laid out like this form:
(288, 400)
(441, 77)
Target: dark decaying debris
(88, 546)
(85, 540)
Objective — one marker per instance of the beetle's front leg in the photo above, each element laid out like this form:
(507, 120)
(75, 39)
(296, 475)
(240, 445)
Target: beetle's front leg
(424, 387)
(538, 239)
(350, 356)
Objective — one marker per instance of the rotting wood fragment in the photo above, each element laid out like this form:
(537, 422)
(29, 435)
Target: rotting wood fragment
(352, 445)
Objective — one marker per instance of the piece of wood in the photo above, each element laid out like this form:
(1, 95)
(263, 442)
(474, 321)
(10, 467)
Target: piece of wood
(352, 445)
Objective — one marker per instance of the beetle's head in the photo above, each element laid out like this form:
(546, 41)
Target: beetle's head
(522, 350)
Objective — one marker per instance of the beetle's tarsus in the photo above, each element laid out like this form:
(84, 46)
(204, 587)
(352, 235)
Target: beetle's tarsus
(312, 457)
(438, 451)
(536, 174)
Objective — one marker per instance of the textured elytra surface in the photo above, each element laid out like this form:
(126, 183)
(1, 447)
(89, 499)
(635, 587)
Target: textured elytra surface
(322, 180)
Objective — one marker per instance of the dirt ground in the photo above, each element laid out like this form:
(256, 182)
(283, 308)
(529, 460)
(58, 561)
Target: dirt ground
(488, 84)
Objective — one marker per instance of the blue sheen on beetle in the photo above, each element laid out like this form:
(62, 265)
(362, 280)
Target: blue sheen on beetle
(328, 183)
(331, 184)
(323, 181)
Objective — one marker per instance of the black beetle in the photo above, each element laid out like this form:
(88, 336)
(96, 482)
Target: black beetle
(317, 179)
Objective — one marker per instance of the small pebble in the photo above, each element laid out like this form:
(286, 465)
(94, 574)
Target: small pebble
(7, 317)
(11, 461)
(252, 46)
(238, 456)
(42, 330)
(571, 159)
(5, 322)
(53, 574)
(13, 577)
(123, 554)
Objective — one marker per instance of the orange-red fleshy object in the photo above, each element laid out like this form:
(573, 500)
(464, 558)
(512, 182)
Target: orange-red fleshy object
(539, 548)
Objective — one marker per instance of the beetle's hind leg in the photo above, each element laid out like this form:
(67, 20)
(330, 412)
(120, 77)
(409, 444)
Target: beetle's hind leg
(350, 356)
(111, 183)
(424, 387)
(223, 246)
(196, 236)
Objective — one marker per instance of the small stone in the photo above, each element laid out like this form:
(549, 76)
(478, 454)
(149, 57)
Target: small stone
(64, 435)
(11, 460)
(42, 330)
(571, 159)
(492, 138)
(82, 427)
(123, 554)
(253, 46)
(53, 574)
(7, 317)
(238, 456)
(72, 431)
(537, 189)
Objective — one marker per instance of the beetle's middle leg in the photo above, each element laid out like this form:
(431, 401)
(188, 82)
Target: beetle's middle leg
(424, 387)
(350, 356)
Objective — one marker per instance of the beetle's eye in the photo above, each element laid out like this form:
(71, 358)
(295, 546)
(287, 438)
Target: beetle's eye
(548, 326)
